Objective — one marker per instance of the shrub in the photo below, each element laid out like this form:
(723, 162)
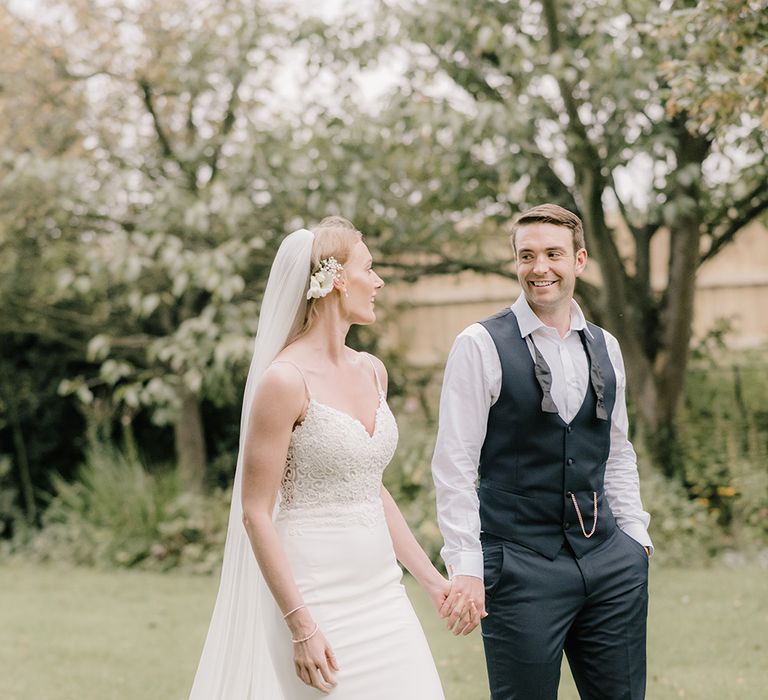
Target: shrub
(118, 514)
(724, 439)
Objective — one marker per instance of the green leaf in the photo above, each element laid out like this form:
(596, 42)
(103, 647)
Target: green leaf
(98, 348)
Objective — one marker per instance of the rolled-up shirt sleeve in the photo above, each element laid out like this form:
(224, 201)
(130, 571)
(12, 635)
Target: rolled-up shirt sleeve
(622, 483)
(465, 400)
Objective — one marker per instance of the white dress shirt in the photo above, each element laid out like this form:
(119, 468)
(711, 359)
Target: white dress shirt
(472, 384)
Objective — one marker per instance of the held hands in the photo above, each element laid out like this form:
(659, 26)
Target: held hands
(313, 657)
(438, 591)
(464, 606)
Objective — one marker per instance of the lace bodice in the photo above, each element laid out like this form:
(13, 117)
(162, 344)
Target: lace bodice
(334, 467)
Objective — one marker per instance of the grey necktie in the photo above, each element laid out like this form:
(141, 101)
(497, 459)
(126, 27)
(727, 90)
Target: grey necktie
(595, 375)
(544, 378)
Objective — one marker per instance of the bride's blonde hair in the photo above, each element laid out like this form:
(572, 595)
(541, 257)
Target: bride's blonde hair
(335, 237)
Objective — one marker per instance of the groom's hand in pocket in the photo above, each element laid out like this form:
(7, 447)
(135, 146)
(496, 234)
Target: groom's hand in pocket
(465, 605)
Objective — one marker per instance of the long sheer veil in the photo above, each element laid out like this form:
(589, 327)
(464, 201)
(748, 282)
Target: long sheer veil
(236, 663)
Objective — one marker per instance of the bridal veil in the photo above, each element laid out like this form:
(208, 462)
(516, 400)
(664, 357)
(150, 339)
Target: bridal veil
(236, 663)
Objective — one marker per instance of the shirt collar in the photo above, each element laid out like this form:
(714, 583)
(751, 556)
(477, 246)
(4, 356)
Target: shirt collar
(529, 322)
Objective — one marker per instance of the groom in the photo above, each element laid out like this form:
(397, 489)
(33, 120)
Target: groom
(551, 551)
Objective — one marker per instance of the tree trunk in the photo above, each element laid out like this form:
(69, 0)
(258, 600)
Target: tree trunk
(20, 449)
(675, 322)
(190, 442)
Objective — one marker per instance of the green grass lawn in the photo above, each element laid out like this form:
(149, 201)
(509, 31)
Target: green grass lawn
(76, 634)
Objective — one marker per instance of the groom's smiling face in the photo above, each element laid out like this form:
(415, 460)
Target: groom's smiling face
(547, 265)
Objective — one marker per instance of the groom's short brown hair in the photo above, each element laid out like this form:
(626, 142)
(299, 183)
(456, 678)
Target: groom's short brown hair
(550, 214)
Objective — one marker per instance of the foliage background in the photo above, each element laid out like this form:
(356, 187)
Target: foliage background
(152, 156)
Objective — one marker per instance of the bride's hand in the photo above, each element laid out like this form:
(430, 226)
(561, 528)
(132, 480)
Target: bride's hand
(438, 591)
(465, 606)
(314, 661)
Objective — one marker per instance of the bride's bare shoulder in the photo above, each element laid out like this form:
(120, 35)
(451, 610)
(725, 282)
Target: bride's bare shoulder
(380, 367)
(280, 398)
(282, 380)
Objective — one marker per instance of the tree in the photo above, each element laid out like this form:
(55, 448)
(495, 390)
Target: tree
(721, 76)
(145, 131)
(38, 345)
(569, 102)
(171, 161)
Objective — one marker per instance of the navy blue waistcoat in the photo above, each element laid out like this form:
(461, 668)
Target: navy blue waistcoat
(532, 461)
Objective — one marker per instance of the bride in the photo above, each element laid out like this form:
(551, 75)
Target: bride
(310, 517)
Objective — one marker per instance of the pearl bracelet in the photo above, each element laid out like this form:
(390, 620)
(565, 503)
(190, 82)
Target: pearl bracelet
(308, 637)
(290, 612)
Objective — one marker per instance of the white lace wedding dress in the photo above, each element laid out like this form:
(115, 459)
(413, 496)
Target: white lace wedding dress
(331, 524)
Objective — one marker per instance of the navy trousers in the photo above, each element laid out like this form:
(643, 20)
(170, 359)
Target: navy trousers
(594, 608)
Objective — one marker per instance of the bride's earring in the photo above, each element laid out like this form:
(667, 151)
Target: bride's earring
(346, 291)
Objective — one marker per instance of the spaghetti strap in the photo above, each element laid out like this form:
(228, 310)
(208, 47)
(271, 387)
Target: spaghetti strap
(298, 369)
(375, 373)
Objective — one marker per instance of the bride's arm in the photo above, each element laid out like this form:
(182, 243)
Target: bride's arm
(410, 554)
(407, 550)
(278, 403)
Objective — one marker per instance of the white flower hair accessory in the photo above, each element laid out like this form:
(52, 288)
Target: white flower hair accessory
(321, 280)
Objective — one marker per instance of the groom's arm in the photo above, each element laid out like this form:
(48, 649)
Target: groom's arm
(472, 374)
(622, 482)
